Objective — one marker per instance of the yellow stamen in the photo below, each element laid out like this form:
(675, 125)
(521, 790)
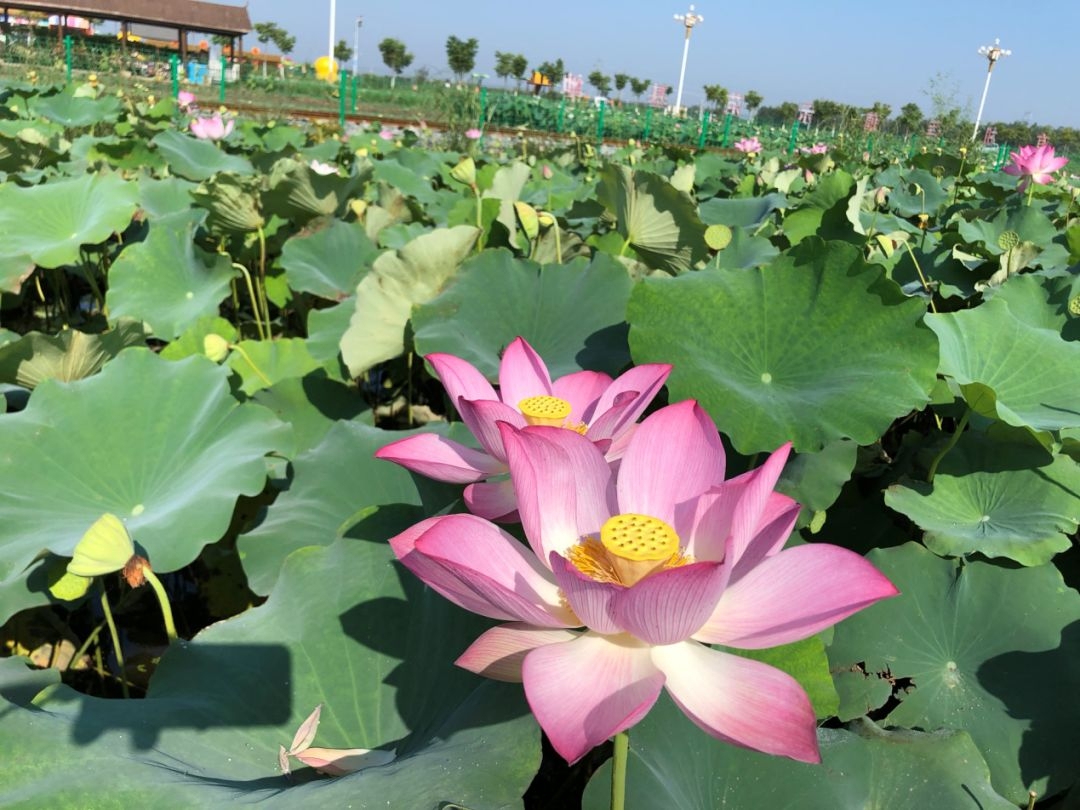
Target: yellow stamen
(545, 410)
(630, 548)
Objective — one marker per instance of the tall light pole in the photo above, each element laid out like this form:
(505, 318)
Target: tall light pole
(356, 47)
(333, 21)
(992, 54)
(689, 20)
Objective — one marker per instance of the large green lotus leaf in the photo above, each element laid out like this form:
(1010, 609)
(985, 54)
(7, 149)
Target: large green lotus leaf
(335, 632)
(14, 270)
(339, 489)
(159, 198)
(162, 444)
(265, 362)
(166, 280)
(71, 355)
(193, 340)
(816, 479)
(398, 281)
(997, 499)
(989, 650)
(75, 111)
(658, 221)
(804, 350)
(296, 193)
(572, 314)
(743, 212)
(806, 662)
(673, 765)
(745, 251)
(914, 191)
(1042, 302)
(990, 351)
(197, 159)
(1030, 224)
(411, 184)
(829, 192)
(51, 221)
(325, 328)
(313, 404)
(329, 259)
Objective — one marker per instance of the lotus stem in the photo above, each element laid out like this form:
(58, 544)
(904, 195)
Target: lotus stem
(1031, 193)
(115, 638)
(558, 242)
(250, 362)
(262, 279)
(163, 600)
(255, 309)
(90, 639)
(618, 770)
(1032, 796)
(922, 277)
(960, 426)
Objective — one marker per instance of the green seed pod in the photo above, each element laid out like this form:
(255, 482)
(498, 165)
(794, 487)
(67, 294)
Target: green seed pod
(1008, 240)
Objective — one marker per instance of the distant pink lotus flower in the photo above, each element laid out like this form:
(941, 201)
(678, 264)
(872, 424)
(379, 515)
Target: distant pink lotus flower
(586, 402)
(546, 172)
(386, 134)
(211, 128)
(750, 146)
(654, 561)
(816, 149)
(473, 134)
(185, 99)
(1035, 164)
(324, 169)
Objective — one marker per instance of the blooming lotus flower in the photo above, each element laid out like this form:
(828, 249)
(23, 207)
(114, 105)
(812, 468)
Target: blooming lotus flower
(212, 127)
(473, 134)
(1035, 164)
(324, 169)
(751, 146)
(185, 99)
(654, 561)
(386, 134)
(816, 149)
(587, 402)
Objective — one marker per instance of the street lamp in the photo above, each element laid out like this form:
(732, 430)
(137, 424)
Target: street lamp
(992, 54)
(689, 20)
(356, 47)
(333, 20)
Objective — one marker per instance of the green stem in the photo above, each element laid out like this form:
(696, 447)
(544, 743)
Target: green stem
(115, 638)
(255, 310)
(618, 770)
(558, 242)
(922, 277)
(163, 600)
(250, 362)
(262, 281)
(951, 444)
(79, 653)
(1031, 192)
(959, 174)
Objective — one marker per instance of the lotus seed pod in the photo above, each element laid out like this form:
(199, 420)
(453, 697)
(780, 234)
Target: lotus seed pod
(1008, 240)
(718, 236)
(215, 347)
(465, 171)
(1074, 306)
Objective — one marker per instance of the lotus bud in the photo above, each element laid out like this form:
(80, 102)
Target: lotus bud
(92, 79)
(358, 207)
(151, 99)
(361, 152)
(546, 220)
(105, 548)
(546, 172)
(215, 347)
(465, 172)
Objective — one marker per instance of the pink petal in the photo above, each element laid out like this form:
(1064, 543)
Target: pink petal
(644, 382)
(563, 485)
(496, 569)
(581, 389)
(305, 734)
(669, 606)
(440, 458)
(483, 416)
(794, 594)
(500, 651)
(462, 380)
(340, 761)
(740, 701)
(522, 374)
(777, 524)
(592, 601)
(758, 486)
(675, 455)
(494, 500)
(586, 690)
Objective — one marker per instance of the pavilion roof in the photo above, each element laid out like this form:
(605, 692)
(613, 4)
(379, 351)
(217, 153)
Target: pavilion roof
(192, 15)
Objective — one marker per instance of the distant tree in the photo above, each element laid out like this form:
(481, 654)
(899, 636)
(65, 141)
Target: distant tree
(342, 51)
(911, 117)
(504, 65)
(753, 100)
(639, 86)
(717, 95)
(621, 80)
(789, 111)
(882, 109)
(520, 66)
(461, 55)
(268, 32)
(601, 82)
(828, 113)
(553, 70)
(395, 57)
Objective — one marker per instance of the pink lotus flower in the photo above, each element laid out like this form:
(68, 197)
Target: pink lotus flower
(750, 146)
(1035, 164)
(816, 149)
(184, 99)
(588, 402)
(473, 134)
(655, 561)
(211, 128)
(386, 134)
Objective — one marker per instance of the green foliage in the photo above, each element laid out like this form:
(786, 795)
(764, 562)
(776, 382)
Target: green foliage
(461, 55)
(601, 82)
(272, 32)
(395, 56)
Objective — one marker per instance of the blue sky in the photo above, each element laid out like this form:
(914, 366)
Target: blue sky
(787, 50)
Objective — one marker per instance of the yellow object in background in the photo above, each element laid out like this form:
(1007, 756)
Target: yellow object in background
(326, 69)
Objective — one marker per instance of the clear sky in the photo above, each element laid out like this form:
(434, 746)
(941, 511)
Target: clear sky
(787, 50)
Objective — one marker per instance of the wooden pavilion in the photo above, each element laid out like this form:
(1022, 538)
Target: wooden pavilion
(183, 15)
